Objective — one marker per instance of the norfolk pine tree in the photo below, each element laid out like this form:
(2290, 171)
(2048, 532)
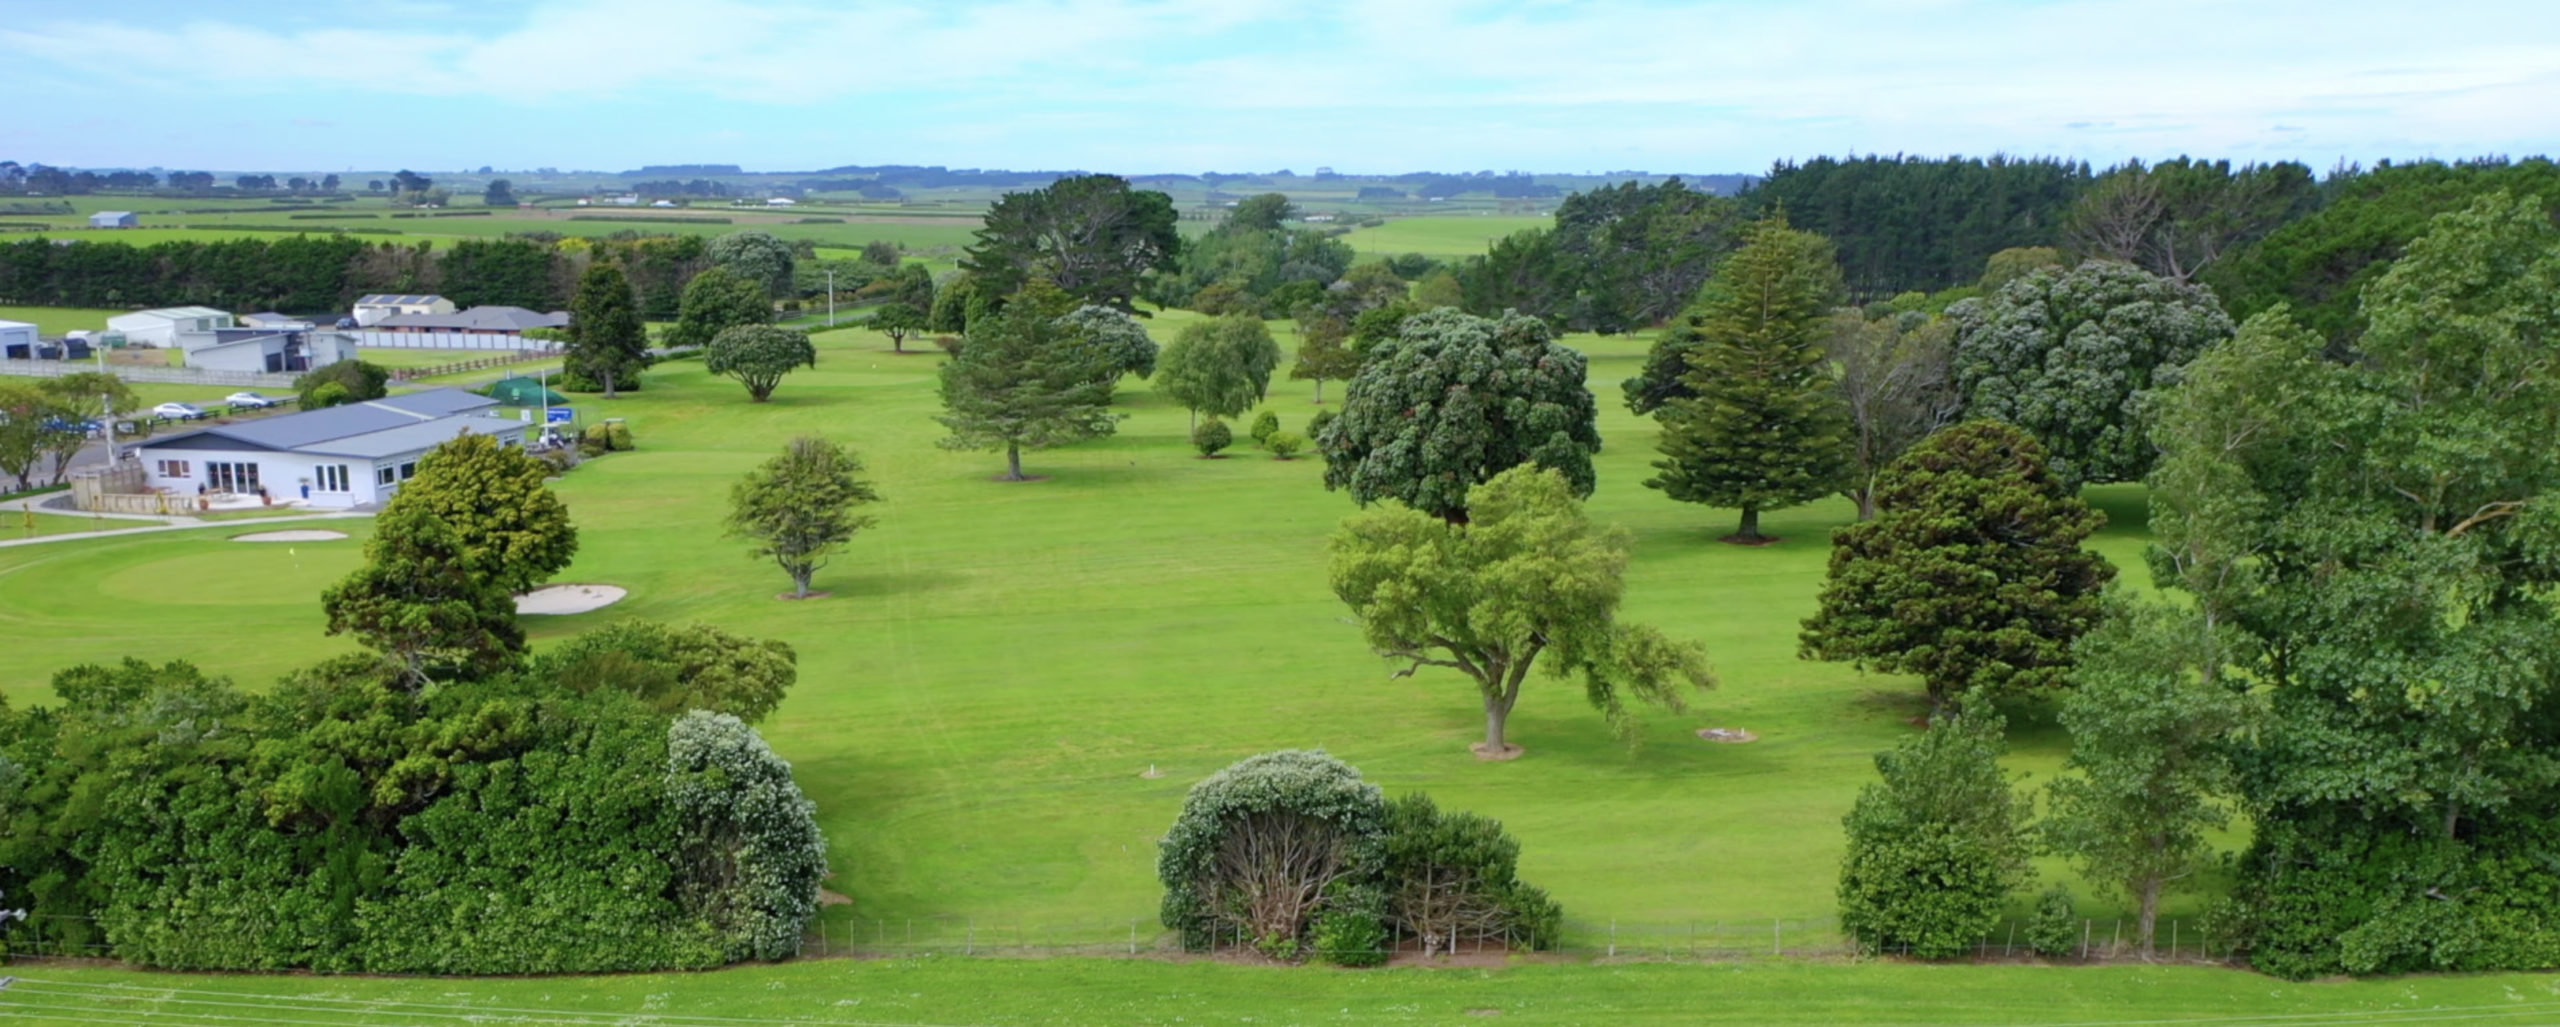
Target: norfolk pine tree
(1970, 576)
(799, 507)
(1763, 425)
(1022, 381)
(1528, 580)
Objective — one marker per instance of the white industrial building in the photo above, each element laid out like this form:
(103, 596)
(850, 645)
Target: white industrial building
(338, 457)
(373, 309)
(17, 340)
(161, 327)
(264, 350)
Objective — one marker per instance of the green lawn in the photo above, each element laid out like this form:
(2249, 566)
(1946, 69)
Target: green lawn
(1447, 237)
(1116, 993)
(20, 524)
(57, 320)
(1001, 663)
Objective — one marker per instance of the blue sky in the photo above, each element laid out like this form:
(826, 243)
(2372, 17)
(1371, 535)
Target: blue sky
(1234, 85)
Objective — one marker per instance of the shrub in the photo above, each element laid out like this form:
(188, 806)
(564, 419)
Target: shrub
(1284, 445)
(1265, 425)
(673, 669)
(560, 459)
(1211, 436)
(1351, 931)
(358, 381)
(751, 855)
(2054, 930)
(1315, 425)
(1934, 848)
(1258, 846)
(1451, 878)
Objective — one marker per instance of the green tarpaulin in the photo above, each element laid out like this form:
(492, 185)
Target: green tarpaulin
(525, 392)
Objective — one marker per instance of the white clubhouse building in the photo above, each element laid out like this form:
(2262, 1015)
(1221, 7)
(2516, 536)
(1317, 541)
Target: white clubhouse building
(339, 457)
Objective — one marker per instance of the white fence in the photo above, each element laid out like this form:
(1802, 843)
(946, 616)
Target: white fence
(161, 375)
(438, 340)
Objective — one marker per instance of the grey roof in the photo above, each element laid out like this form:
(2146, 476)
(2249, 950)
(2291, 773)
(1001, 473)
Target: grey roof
(413, 438)
(478, 319)
(313, 427)
(380, 298)
(269, 315)
(112, 214)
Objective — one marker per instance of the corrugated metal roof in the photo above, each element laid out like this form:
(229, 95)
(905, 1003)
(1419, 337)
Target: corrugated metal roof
(404, 299)
(486, 319)
(312, 427)
(414, 438)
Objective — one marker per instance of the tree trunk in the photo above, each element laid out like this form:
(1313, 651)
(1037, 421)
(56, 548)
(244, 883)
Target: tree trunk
(1865, 495)
(898, 342)
(608, 385)
(1750, 529)
(1497, 711)
(1319, 392)
(2150, 918)
(1013, 461)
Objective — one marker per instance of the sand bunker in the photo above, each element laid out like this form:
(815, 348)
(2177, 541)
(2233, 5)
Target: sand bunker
(556, 600)
(296, 535)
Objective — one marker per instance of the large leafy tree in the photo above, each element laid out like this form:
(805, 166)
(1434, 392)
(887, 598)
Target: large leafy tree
(1220, 368)
(1636, 253)
(2072, 356)
(2381, 534)
(2177, 217)
(1521, 272)
(1896, 385)
(420, 604)
(1971, 575)
(897, 320)
(1022, 380)
(514, 530)
(758, 355)
(607, 343)
(2151, 726)
(1454, 400)
(1529, 581)
(1091, 234)
(1323, 352)
(800, 507)
(755, 256)
(1110, 342)
(1935, 847)
(1762, 426)
(716, 300)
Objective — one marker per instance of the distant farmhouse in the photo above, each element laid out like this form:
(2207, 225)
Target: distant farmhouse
(160, 327)
(342, 456)
(372, 309)
(267, 350)
(115, 219)
(271, 319)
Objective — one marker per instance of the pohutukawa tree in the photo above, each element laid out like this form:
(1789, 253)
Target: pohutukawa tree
(1258, 845)
(1762, 425)
(1454, 400)
(1971, 575)
(716, 300)
(758, 355)
(799, 508)
(2073, 355)
(1528, 581)
(897, 321)
(496, 499)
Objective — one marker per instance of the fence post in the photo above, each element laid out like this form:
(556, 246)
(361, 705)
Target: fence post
(1133, 936)
(2115, 944)
(822, 937)
(2173, 939)
(1777, 936)
(2086, 926)
(2010, 947)
(969, 946)
(1613, 937)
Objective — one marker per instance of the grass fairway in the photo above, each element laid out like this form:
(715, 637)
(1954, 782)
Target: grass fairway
(1001, 663)
(1095, 993)
(57, 320)
(1446, 237)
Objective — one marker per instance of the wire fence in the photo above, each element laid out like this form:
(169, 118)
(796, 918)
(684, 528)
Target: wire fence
(839, 936)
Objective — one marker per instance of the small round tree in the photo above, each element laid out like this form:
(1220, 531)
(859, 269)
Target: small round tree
(1935, 847)
(1257, 846)
(495, 498)
(1453, 400)
(799, 507)
(897, 321)
(1265, 425)
(1211, 436)
(1970, 576)
(715, 301)
(758, 355)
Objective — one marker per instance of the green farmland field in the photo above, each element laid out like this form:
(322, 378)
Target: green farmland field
(1447, 237)
(57, 320)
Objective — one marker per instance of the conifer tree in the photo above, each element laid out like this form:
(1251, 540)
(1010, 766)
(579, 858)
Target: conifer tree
(1762, 427)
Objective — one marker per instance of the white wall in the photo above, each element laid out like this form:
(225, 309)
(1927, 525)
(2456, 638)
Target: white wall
(447, 340)
(17, 333)
(282, 474)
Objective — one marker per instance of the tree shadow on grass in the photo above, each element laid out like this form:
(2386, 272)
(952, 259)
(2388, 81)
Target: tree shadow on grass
(874, 585)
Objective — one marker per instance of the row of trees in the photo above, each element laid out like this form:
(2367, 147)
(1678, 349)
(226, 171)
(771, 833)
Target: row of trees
(441, 802)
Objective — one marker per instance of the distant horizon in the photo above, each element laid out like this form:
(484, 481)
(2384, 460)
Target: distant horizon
(1158, 85)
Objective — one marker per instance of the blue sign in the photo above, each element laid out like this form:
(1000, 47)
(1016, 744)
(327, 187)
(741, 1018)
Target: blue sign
(555, 415)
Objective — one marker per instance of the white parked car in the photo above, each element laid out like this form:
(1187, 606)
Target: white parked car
(178, 411)
(250, 400)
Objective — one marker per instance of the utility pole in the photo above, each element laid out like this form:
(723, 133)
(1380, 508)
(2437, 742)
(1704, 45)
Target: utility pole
(106, 404)
(831, 297)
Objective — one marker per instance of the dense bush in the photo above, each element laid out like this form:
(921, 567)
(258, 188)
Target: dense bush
(355, 382)
(1265, 424)
(345, 823)
(673, 669)
(1211, 436)
(1451, 878)
(1934, 848)
(1284, 445)
(2054, 930)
